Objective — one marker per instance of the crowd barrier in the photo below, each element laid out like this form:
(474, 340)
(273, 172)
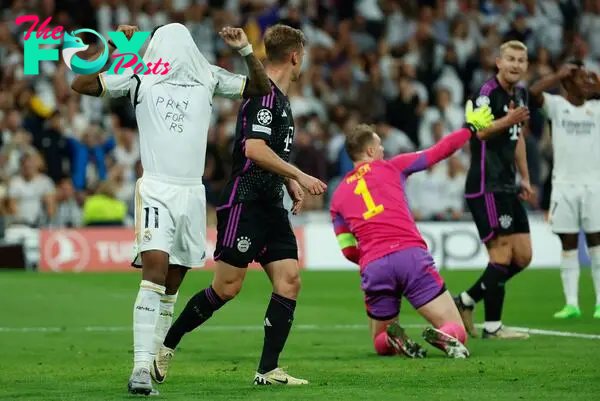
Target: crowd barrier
(454, 246)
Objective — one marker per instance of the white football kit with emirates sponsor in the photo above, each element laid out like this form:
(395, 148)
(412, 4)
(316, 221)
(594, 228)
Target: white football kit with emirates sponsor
(575, 199)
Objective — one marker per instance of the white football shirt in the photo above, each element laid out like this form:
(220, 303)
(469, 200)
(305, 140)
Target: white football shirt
(575, 140)
(173, 120)
(29, 196)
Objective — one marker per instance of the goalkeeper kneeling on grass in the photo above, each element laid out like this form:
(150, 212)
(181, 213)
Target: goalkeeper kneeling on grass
(376, 230)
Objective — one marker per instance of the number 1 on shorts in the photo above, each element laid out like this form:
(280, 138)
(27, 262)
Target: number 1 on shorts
(372, 209)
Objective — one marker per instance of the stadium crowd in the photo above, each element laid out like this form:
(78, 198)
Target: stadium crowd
(406, 66)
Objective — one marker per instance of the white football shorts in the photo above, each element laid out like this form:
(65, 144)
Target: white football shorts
(170, 216)
(575, 207)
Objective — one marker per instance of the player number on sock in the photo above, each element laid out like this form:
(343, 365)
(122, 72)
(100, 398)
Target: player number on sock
(372, 209)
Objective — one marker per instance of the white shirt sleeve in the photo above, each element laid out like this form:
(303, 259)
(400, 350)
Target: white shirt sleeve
(550, 105)
(115, 86)
(229, 85)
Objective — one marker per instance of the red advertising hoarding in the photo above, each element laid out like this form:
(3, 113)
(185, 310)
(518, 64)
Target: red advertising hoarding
(107, 249)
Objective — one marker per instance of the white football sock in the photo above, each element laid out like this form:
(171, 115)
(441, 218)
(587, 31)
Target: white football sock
(145, 318)
(595, 257)
(466, 299)
(569, 273)
(167, 306)
(492, 327)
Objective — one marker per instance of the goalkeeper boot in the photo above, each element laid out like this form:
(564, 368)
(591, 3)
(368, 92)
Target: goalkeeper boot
(568, 312)
(140, 382)
(277, 377)
(597, 312)
(403, 345)
(161, 364)
(448, 344)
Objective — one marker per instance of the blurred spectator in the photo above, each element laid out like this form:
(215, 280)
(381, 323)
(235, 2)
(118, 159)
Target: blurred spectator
(393, 140)
(404, 112)
(68, 210)
(104, 208)
(11, 154)
(454, 190)
(54, 147)
(313, 162)
(127, 152)
(450, 115)
(88, 162)
(31, 196)
(425, 193)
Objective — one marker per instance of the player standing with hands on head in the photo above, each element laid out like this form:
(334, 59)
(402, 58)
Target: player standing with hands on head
(252, 223)
(170, 200)
(493, 195)
(575, 198)
(375, 229)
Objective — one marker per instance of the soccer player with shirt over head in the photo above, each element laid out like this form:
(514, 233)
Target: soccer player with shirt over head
(252, 223)
(376, 230)
(575, 198)
(493, 196)
(173, 112)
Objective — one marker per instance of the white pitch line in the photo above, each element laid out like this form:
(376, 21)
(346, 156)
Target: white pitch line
(307, 327)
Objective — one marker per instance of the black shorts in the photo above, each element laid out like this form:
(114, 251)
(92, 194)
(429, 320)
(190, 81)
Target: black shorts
(498, 214)
(253, 231)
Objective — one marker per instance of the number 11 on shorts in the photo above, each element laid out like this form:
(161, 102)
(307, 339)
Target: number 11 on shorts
(147, 217)
(372, 209)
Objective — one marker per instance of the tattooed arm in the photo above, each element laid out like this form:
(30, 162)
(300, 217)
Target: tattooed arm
(258, 83)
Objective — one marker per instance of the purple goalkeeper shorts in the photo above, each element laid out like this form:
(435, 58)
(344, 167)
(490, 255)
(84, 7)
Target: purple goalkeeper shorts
(410, 272)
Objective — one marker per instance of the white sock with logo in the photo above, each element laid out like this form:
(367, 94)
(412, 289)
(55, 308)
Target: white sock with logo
(167, 307)
(595, 257)
(146, 311)
(569, 274)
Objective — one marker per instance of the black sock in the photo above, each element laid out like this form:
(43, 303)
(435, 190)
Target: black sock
(513, 270)
(494, 291)
(477, 291)
(278, 322)
(197, 311)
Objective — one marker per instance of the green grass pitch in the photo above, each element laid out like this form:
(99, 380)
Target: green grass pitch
(86, 351)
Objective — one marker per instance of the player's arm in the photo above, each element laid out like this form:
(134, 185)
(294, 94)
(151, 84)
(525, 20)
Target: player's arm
(548, 82)
(260, 153)
(512, 117)
(521, 161)
(258, 131)
(521, 158)
(476, 120)
(257, 83)
(593, 86)
(92, 84)
(345, 238)
(236, 86)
